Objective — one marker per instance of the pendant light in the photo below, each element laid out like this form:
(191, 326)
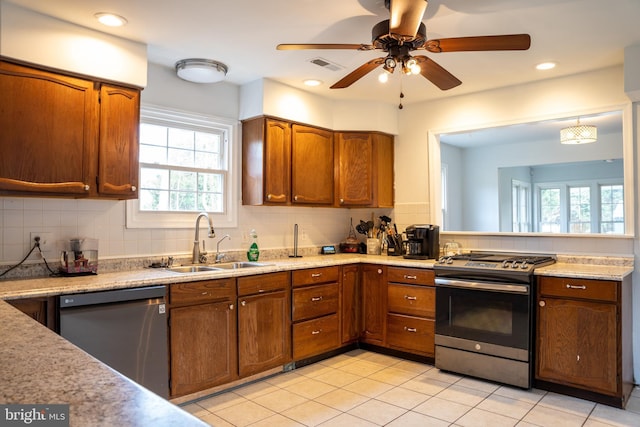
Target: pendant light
(579, 134)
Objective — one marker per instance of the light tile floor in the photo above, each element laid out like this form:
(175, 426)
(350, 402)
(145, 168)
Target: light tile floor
(362, 388)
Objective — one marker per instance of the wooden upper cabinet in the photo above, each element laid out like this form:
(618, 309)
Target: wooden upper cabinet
(383, 176)
(312, 166)
(118, 156)
(47, 135)
(266, 162)
(66, 136)
(354, 168)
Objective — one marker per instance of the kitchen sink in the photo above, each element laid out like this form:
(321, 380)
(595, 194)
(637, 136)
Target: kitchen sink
(240, 264)
(193, 269)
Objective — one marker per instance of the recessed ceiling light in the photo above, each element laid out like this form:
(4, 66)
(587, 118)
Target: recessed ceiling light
(545, 66)
(312, 82)
(110, 19)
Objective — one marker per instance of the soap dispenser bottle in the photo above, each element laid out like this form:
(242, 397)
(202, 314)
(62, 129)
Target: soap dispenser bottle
(253, 253)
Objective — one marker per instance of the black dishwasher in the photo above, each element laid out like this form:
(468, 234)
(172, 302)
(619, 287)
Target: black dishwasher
(125, 329)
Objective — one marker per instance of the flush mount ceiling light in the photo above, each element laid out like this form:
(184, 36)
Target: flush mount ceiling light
(545, 66)
(199, 70)
(110, 19)
(312, 82)
(579, 134)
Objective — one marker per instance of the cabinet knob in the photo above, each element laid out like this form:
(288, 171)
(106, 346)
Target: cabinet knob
(342, 201)
(379, 271)
(230, 306)
(295, 198)
(243, 303)
(269, 196)
(542, 303)
(86, 187)
(133, 188)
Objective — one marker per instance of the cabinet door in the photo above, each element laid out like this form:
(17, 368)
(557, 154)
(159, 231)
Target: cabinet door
(47, 124)
(118, 146)
(264, 332)
(350, 303)
(277, 162)
(354, 169)
(577, 344)
(203, 346)
(383, 177)
(374, 303)
(312, 166)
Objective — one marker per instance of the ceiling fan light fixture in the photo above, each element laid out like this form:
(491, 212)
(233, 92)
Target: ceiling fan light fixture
(579, 134)
(197, 70)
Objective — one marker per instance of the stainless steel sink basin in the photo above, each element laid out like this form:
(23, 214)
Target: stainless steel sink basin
(193, 269)
(240, 264)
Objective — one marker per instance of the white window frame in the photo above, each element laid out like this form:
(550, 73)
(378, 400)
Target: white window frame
(135, 218)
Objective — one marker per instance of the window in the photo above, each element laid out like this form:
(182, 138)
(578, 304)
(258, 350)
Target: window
(521, 214)
(611, 209)
(584, 208)
(186, 167)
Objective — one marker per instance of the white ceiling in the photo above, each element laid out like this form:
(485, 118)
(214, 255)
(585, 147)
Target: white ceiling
(579, 35)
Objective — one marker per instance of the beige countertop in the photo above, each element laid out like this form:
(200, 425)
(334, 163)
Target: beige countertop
(38, 366)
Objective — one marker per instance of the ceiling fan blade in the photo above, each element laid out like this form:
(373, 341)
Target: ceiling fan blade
(325, 46)
(358, 73)
(462, 44)
(406, 17)
(436, 74)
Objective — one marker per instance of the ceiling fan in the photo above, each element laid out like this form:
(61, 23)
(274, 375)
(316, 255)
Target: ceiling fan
(402, 34)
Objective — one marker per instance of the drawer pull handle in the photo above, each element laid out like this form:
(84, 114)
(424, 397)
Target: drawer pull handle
(406, 276)
(315, 275)
(316, 332)
(315, 299)
(410, 298)
(410, 329)
(576, 286)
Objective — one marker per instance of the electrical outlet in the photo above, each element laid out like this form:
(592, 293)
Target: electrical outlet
(46, 240)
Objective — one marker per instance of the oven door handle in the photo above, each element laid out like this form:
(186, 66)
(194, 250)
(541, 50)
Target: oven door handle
(484, 286)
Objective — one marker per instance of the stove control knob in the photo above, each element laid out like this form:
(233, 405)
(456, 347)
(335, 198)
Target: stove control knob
(449, 260)
(505, 264)
(524, 265)
(515, 264)
(441, 260)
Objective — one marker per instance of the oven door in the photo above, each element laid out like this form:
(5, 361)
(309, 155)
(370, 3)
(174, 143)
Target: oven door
(484, 311)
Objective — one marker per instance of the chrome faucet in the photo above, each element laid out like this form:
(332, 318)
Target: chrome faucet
(201, 257)
(219, 256)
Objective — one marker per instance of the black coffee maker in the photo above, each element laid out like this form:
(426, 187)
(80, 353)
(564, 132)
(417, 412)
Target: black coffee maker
(423, 242)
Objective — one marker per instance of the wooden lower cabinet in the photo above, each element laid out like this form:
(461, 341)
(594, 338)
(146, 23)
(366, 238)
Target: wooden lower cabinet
(42, 310)
(203, 350)
(374, 303)
(350, 310)
(202, 320)
(264, 322)
(315, 308)
(583, 336)
(411, 310)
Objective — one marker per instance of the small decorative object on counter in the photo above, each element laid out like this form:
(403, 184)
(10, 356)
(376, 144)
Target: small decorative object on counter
(253, 253)
(79, 257)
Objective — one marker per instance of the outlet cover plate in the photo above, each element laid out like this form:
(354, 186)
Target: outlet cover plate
(46, 240)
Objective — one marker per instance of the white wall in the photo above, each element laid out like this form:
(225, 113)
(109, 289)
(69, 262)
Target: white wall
(40, 39)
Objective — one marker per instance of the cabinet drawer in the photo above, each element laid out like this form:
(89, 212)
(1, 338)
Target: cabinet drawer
(601, 290)
(312, 276)
(411, 334)
(412, 300)
(416, 276)
(315, 301)
(316, 336)
(263, 283)
(202, 292)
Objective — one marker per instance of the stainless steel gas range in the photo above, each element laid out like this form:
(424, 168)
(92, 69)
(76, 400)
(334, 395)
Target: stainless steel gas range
(484, 315)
